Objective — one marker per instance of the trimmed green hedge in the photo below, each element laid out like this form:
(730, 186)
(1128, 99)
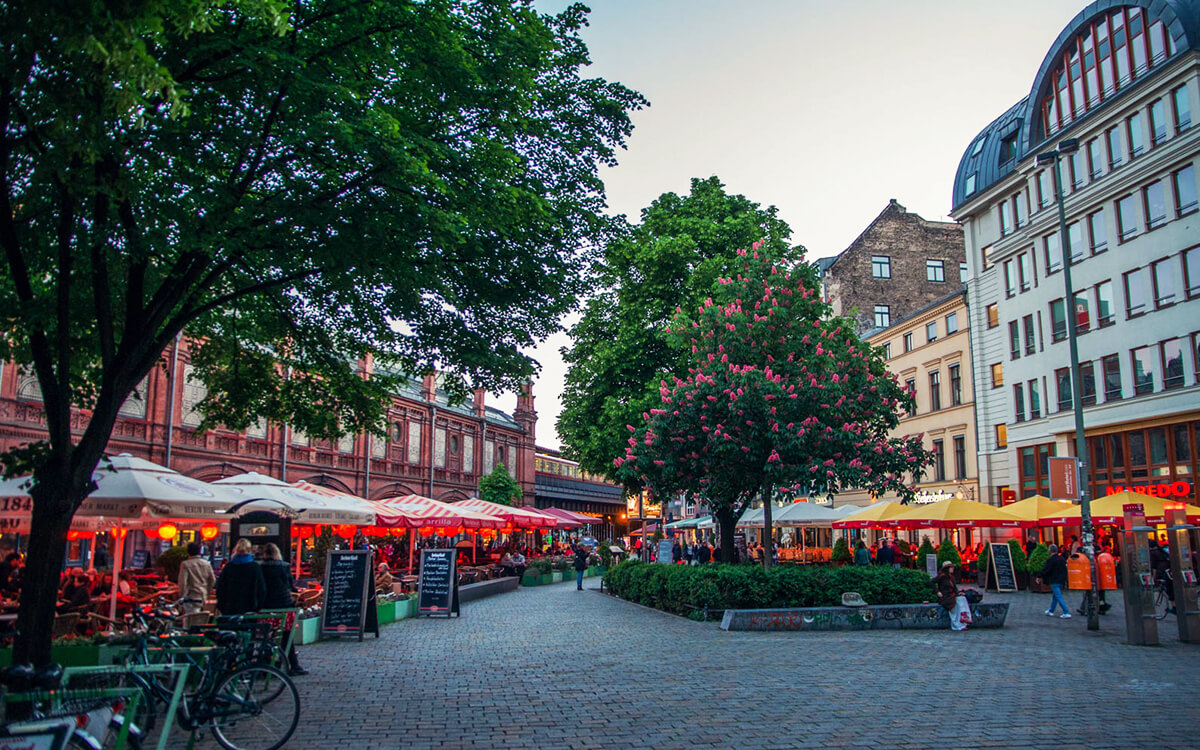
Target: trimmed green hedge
(687, 590)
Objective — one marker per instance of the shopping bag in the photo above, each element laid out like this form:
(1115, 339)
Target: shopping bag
(963, 610)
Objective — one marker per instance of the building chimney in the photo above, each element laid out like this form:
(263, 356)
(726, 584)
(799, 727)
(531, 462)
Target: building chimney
(480, 394)
(429, 386)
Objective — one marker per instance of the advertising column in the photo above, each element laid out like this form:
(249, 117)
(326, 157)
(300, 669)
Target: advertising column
(1141, 628)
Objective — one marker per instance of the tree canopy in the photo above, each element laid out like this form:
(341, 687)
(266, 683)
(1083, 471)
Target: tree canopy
(777, 393)
(499, 487)
(298, 186)
(620, 349)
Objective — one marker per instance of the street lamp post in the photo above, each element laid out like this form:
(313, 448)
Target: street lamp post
(1066, 147)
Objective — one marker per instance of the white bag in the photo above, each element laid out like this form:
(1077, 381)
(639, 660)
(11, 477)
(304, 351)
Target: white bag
(960, 616)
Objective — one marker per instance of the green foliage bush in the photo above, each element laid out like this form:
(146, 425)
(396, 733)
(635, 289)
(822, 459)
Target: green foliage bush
(684, 590)
(841, 551)
(1038, 558)
(926, 548)
(172, 559)
(947, 552)
(541, 566)
(1020, 564)
(606, 555)
(985, 557)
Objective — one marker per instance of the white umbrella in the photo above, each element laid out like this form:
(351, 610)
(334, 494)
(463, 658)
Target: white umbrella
(807, 514)
(752, 517)
(299, 504)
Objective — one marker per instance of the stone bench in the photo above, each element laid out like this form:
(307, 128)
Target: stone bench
(472, 591)
(871, 617)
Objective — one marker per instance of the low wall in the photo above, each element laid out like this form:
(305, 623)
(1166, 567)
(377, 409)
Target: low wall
(873, 617)
(472, 591)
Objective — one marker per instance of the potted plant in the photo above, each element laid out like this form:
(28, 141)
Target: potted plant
(841, 552)
(926, 548)
(946, 552)
(558, 568)
(985, 559)
(1020, 564)
(1037, 561)
(385, 606)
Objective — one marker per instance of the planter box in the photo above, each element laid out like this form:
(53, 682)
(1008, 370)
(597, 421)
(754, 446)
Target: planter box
(556, 576)
(309, 630)
(406, 608)
(548, 578)
(874, 617)
(387, 612)
(531, 579)
(73, 656)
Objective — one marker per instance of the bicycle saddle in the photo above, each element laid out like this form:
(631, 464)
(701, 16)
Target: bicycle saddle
(22, 677)
(225, 638)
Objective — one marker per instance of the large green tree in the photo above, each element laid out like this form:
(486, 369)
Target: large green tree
(296, 185)
(619, 348)
(778, 393)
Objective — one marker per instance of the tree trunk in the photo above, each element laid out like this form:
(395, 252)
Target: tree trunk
(53, 501)
(768, 537)
(726, 523)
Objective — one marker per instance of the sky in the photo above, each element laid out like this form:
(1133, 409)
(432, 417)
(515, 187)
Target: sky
(825, 109)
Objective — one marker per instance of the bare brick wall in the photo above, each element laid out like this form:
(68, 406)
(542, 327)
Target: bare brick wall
(908, 240)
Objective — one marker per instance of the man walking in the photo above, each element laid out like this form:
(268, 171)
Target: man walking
(1054, 572)
(196, 579)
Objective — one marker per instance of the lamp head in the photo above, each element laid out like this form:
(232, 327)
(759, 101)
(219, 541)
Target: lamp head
(1047, 158)
(1068, 146)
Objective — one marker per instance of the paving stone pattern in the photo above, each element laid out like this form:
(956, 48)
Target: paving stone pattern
(551, 667)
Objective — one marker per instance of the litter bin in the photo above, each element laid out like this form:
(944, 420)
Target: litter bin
(1079, 574)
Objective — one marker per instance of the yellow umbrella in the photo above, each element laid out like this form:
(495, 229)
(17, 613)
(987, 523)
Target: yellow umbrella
(1034, 511)
(951, 514)
(1109, 509)
(871, 517)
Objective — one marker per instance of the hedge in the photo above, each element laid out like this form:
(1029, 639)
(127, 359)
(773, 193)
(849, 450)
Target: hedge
(687, 590)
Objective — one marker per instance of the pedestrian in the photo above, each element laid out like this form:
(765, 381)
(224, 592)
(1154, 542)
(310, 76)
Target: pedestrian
(580, 565)
(240, 587)
(196, 579)
(704, 553)
(862, 556)
(951, 601)
(1030, 545)
(100, 558)
(886, 555)
(1054, 572)
(676, 553)
(280, 594)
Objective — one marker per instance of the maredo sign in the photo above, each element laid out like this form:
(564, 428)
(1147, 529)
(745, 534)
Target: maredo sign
(1173, 489)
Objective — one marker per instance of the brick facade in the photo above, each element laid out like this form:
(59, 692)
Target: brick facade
(432, 448)
(908, 241)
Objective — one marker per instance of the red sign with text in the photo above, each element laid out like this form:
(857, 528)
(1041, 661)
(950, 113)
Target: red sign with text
(1064, 478)
(1171, 489)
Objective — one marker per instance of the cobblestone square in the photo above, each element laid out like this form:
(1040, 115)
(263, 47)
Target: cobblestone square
(554, 667)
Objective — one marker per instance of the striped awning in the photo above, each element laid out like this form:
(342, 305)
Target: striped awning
(415, 511)
(526, 518)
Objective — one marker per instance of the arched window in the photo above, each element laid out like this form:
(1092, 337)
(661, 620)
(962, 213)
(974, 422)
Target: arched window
(1113, 51)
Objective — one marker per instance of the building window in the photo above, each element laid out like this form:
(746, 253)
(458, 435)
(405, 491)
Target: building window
(908, 342)
(1095, 155)
(1075, 160)
(969, 187)
(883, 316)
(1104, 304)
(1163, 275)
(1062, 381)
(910, 387)
(935, 391)
(1112, 377)
(1087, 377)
(1183, 109)
(1034, 466)
(1019, 402)
(1098, 232)
(1001, 436)
(1006, 219)
(931, 331)
(1083, 320)
(1058, 320)
(1133, 128)
(993, 315)
(1053, 253)
(955, 385)
(1014, 340)
(1143, 359)
(1172, 363)
(960, 457)
(1191, 271)
(1196, 352)
(887, 350)
(1184, 184)
(997, 375)
(1155, 201)
(1135, 293)
(1075, 241)
(1035, 400)
(1045, 188)
(1008, 148)
(1030, 338)
(1010, 279)
(1116, 148)
(939, 461)
(963, 275)
(951, 323)
(1127, 222)
(881, 266)
(1158, 122)
(1025, 273)
(935, 270)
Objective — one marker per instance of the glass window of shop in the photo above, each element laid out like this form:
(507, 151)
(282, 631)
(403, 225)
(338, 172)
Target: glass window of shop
(1034, 465)
(1156, 455)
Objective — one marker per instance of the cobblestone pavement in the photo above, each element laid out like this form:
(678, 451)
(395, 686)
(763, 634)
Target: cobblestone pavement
(551, 667)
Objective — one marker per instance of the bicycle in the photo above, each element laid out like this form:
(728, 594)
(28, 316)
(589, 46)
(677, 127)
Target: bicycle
(48, 715)
(1163, 605)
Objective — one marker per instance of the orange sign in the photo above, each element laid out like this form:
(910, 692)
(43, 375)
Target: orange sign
(1064, 475)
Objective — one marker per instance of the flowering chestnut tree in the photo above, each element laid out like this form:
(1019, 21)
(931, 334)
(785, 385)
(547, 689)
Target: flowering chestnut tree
(778, 395)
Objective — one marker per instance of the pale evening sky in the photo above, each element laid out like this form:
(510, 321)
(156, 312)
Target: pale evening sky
(825, 109)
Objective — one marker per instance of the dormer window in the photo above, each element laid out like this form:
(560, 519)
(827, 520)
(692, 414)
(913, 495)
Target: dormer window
(1008, 149)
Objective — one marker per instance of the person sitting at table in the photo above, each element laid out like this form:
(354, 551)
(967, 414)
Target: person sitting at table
(383, 578)
(506, 564)
(76, 595)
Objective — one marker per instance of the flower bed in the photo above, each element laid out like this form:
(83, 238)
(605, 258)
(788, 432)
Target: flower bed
(689, 590)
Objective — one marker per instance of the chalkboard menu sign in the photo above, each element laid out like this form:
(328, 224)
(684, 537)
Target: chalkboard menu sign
(438, 586)
(141, 559)
(348, 583)
(1001, 575)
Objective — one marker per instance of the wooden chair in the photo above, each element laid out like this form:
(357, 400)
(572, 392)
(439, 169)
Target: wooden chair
(309, 598)
(65, 624)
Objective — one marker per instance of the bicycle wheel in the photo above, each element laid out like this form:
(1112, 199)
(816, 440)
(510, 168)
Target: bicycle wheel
(257, 708)
(1161, 605)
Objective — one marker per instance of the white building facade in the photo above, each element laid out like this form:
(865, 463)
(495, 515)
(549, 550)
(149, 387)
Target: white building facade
(1124, 80)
